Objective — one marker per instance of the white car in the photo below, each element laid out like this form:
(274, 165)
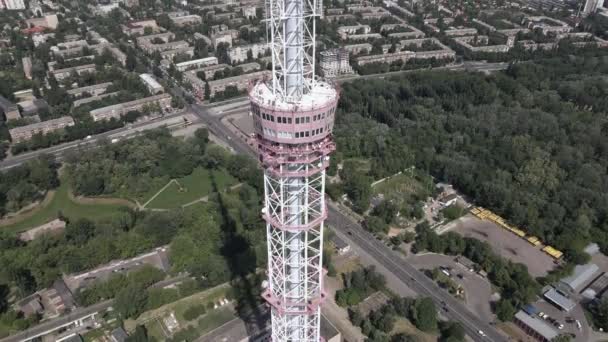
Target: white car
(481, 333)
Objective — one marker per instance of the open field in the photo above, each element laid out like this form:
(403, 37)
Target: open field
(190, 188)
(505, 243)
(60, 201)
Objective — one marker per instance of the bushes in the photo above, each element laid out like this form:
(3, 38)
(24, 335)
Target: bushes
(358, 285)
(194, 312)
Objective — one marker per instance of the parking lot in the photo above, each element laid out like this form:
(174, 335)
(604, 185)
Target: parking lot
(478, 290)
(505, 243)
(567, 319)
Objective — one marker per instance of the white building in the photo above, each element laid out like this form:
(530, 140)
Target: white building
(239, 54)
(335, 62)
(152, 84)
(592, 5)
(13, 4)
(196, 63)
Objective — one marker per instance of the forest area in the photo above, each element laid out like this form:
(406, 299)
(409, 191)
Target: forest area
(528, 143)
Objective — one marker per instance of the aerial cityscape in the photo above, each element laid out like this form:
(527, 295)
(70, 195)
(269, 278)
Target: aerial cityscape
(303, 171)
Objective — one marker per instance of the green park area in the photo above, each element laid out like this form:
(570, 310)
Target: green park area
(402, 188)
(182, 191)
(59, 201)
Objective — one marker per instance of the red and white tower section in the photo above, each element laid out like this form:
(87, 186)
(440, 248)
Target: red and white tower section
(293, 118)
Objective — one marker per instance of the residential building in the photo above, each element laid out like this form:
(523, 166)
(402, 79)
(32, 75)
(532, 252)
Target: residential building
(152, 84)
(9, 109)
(33, 107)
(196, 63)
(335, 62)
(456, 32)
(356, 49)
(139, 27)
(187, 19)
(345, 31)
(117, 110)
(366, 36)
(85, 100)
(470, 44)
(170, 54)
(23, 133)
(547, 24)
(249, 11)
(223, 37)
(249, 67)
(26, 62)
(61, 74)
(238, 54)
(240, 82)
(48, 21)
(14, 5)
(591, 6)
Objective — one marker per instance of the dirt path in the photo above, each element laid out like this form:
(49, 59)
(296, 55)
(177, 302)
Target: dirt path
(102, 200)
(28, 211)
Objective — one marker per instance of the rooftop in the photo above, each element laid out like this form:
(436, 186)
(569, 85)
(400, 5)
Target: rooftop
(537, 325)
(581, 274)
(320, 94)
(559, 299)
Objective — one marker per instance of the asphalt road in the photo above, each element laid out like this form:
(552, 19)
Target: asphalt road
(351, 232)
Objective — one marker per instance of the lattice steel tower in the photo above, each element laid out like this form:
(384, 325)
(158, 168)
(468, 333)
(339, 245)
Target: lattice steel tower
(293, 118)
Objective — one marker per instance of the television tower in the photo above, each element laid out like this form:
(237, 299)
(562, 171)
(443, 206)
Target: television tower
(293, 117)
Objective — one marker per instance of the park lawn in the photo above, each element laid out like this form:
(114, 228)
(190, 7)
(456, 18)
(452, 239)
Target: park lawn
(401, 189)
(361, 164)
(196, 185)
(93, 335)
(214, 319)
(61, 203)
(155, 330)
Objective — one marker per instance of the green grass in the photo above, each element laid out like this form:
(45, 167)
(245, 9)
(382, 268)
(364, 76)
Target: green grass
(196, 185)
(401, 189)
(214, 319)
(61, 203)
(93, 335)
(154, 330)
(211, 296)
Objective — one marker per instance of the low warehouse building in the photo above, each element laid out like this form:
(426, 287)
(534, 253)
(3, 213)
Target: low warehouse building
(535, 327)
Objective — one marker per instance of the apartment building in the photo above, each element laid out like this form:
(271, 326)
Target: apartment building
(23, 133)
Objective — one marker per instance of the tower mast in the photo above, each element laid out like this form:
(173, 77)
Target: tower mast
(293, 119)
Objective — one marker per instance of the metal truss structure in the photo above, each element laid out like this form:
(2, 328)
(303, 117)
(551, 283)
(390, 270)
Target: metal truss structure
(291, 29)
(293, 119)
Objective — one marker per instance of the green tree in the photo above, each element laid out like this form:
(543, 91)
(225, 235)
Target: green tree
(424, 314)
(139, 335)
(505, 310)
(131, 301)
